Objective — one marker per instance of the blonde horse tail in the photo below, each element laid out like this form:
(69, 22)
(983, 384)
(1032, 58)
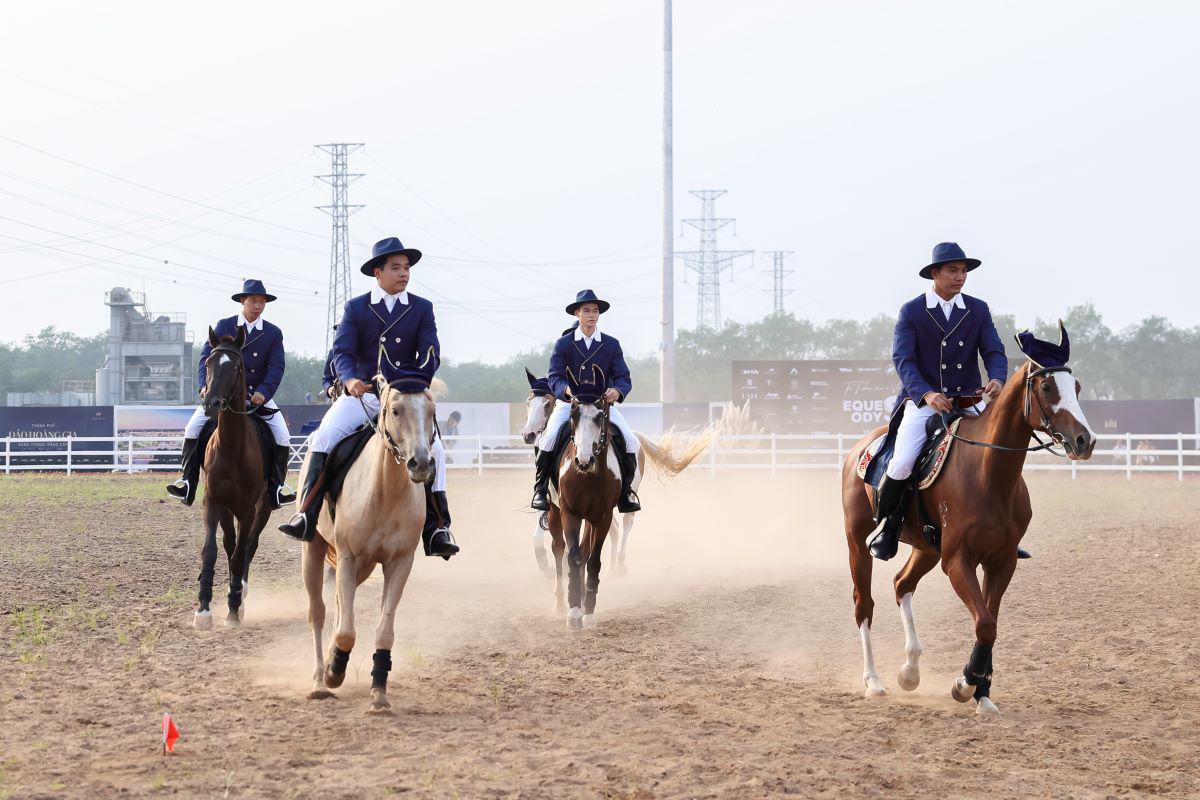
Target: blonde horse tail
(671, 456)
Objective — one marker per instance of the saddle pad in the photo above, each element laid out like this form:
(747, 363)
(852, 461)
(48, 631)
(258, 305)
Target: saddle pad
(933, 458)
(338, 464)
(870, 453)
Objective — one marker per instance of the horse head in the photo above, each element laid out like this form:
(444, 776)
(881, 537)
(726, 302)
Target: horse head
(226, 384)
(589, 432)
(538, 406)
(1052, 395)
(406, 422)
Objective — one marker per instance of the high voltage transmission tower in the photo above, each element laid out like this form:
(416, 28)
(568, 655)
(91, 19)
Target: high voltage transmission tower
(339, 211)
(778, 273)
(708, 261)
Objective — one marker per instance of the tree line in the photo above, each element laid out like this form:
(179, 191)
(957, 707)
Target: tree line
(1151, 359)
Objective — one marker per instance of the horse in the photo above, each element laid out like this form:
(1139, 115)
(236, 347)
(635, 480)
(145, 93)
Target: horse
(235, 479)
(982, 503)
(538, 406)
(380, 514)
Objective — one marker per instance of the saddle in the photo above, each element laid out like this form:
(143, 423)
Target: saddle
(339, 461)
(617, 443)
(266, 440)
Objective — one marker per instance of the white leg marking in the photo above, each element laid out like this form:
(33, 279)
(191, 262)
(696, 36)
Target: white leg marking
(987, 708)
(202, 621)
(589, 620)
(575, 619)
(910, 673)
(870, 676)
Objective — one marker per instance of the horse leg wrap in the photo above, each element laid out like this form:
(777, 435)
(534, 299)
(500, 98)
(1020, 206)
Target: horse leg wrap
(337, 665)
(383, 665)
(978, 671)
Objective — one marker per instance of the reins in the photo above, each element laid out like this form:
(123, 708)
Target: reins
(391, 444)
(1055, 436)
(241, 368)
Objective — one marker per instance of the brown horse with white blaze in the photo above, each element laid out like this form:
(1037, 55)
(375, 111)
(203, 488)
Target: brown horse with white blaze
(982, 505)
(235, 479)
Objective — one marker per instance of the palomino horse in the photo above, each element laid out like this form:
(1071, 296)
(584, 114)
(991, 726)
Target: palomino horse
(380, 514)
(581, 509)
(538, 406)
(234, 475)
(982, 504)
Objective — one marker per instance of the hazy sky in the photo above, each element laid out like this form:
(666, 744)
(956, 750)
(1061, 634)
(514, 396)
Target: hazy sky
(518, 145)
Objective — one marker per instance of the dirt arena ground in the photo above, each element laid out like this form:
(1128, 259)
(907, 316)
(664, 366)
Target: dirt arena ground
(726, 663)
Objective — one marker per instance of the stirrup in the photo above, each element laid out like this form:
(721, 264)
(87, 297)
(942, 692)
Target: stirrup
(298, 528)
(447, 548)
(182, 491)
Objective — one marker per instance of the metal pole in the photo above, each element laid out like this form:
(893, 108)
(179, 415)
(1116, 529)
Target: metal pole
(666, 384)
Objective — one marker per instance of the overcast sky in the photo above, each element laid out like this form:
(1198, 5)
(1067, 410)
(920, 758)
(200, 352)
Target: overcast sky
(519, 145)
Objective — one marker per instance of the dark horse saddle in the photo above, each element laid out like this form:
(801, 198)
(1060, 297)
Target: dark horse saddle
(338, 464)
(266, 440)
(616, 442)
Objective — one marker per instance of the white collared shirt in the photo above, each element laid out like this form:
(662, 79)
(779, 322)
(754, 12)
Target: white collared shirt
(257, 325)
(389, 300)
(587, 340)
(934, 300)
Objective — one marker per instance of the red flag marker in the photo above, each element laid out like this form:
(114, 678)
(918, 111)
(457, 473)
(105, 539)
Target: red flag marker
(170, 734)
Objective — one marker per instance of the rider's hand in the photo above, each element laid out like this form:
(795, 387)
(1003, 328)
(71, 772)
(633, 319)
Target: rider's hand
(203, 391)
(992, 390)
(329, 392)
(612, 395)
(257, 399)
(356, 388)
(938, 401)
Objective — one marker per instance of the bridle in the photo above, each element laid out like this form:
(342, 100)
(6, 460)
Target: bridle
(393, 447)
(223, 402)
(601, 444)
(549, 407)
(1043, 424)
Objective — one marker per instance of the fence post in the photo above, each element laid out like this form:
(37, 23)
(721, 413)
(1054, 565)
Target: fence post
(712, 455)
(1074, 469)
(7, 455)
(773, 453)
(841, 450)
(479, 447)
(1128, 456)
(1179, 452)
(69, 441)
(129, 454)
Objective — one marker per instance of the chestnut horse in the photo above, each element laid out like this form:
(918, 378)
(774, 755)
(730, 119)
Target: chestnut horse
(982, 504)
(380, 514)
(234, 477)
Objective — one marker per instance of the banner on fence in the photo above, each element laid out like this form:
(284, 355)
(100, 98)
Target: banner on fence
(38, 422)
(1114, 417)
(816, 396)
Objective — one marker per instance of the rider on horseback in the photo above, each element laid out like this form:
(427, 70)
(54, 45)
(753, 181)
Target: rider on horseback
(385, 323)
(939, 339)
(263, 359)
(579, 350)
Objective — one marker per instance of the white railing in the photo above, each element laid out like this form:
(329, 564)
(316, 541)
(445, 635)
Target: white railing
(1176, 453)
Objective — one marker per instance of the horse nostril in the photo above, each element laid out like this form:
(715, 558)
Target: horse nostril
(411, 463)
(1080, 443)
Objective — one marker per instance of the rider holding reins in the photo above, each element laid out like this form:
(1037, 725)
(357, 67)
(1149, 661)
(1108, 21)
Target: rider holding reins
(578, 356)
(263, 362)
(940, 337)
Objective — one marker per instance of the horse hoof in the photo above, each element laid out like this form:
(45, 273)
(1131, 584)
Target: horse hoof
(962, 691)
(234, 619)
(987, 709)
(874, 689)
(380, 710)
(332, 679)
(202, 621)
(589, 620)
(321, 694)
(910, 677)
(575, 620)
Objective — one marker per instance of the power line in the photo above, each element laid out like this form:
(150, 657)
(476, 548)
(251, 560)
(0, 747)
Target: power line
(778, 273)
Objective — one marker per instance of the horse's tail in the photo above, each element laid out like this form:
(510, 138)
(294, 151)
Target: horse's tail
(670, 456)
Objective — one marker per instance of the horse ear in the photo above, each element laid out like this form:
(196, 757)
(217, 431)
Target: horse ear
(1063, 341)
(212, 337)
(240, 338)
(529, 376)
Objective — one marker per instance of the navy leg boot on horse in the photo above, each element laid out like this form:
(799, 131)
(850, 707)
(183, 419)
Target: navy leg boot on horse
(436, 536)
(890, 511)
(303, 524)
(628, 502)
(185, 488)
(277, 490)
(541, 481)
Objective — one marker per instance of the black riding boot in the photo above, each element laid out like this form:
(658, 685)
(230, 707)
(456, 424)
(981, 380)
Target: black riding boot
(278, 491)
(542, 467)
(303, 525)
(185, 487)
(436, 536)
(628, 503)
(889, 510)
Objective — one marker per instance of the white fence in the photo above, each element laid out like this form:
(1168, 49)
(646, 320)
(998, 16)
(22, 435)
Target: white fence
(1129, 453)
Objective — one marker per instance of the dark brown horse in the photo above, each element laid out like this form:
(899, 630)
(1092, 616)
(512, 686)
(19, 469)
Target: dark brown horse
(981, 502)
(234, 477)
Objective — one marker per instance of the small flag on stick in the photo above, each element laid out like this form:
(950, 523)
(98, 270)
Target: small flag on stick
(170, 734)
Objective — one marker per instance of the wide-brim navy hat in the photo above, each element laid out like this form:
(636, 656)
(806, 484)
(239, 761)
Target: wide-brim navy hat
(388, 247)
(944, 253)
(253, 286)
(587, 296)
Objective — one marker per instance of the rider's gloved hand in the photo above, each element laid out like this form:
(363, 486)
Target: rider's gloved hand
(356, 388)
(992, 390)
(257, 399)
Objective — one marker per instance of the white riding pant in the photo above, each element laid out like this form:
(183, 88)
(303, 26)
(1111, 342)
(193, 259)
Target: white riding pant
(910, 437)
(562, 412)
(275, 422)
(346, 416)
